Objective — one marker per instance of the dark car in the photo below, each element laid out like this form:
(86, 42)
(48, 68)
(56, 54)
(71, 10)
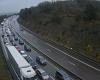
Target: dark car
(41, 60)
(42, 74)
(16, 38)
(7, 34)
(14, 44)
(13, 34)
(11, 39)
(5, 40)
(29, 60)
(3, 36)
(21, 29)
(28, 49)
(21, 42)
(61, 75)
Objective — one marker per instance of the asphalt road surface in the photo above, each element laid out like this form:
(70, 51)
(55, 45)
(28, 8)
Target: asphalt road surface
(50, 68)
(51, 71)
(76, 66)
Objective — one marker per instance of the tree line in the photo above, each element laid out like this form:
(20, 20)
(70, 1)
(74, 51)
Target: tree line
(69, 23)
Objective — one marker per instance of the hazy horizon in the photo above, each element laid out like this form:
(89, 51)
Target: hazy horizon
(14, 6)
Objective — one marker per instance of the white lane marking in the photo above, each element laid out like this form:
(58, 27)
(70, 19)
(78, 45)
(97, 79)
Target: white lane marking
(48, 50)
(73, 57)
(71, 63)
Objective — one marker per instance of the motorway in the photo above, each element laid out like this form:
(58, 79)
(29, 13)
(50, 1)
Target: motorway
(76, 66)
(51, 71)
(50, 68)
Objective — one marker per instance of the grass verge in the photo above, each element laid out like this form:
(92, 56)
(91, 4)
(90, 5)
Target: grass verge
(4, 73)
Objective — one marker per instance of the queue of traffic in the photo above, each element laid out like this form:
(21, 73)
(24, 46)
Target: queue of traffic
(27, 66)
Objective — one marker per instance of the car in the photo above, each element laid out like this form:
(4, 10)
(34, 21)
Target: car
(13, 34)
(7, 43)
(2, 23)
(42, 74)
(22, 52)
(41, 60)
(21, 29)
(61, 75)
(3, 36)
(7, 34)
(5, 40)
(21, 42)
(14, 44)
(16, 38)
(28, 49)
(29, 60)
(11, 39)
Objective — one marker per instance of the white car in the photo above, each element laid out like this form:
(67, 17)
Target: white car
(22, 52)
(42, 74)
(7, 43)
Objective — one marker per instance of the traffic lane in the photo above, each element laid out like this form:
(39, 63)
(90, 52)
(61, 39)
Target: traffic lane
(39, 42)
(49, 68)
(0, 31)
(51, 71)
(75, 54)
(79, 70)
(17, 28)
(72, 65)
(75, 70)
(27, 36)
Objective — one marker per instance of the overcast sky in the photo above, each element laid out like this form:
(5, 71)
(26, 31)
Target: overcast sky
(7, 6)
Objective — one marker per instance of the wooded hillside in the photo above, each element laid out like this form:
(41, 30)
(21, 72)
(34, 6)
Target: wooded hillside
(71, 24)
